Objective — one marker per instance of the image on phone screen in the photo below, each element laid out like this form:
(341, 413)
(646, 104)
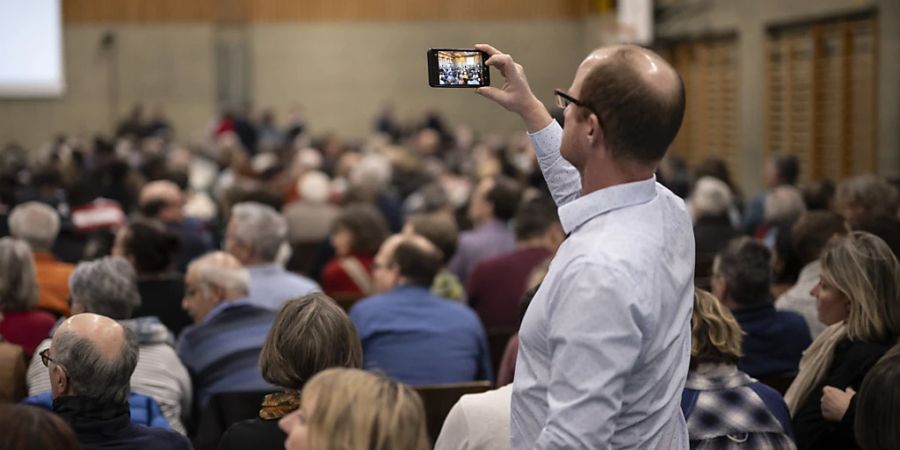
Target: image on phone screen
(460, 68)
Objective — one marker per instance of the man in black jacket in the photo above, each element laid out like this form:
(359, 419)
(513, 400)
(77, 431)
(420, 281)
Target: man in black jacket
(91, 359)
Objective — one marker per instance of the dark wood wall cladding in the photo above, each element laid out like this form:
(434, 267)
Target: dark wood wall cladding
(821, 87)
(709, 69)
(138, 11)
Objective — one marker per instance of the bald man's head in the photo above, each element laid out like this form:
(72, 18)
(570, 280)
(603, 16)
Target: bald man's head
(638, 97)
(94, 356)
(406, 258)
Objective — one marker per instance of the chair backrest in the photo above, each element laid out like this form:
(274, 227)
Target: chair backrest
(780, 382)
(222, 410)
(497, 340)
(439, 399)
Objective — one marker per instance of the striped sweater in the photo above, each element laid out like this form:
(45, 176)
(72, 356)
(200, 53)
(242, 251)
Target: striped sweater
(222, 352)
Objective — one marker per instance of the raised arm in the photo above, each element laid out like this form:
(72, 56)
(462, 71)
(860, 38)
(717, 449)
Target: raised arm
(516, 96)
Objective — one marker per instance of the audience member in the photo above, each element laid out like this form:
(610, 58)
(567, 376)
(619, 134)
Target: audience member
(29, 428)
(859, 299)
(492, 205)
(151, 250)
(38, 225)
(779, 170)
(886, 227)
(709, 205)
(163, 200)
(350, 409)
(221, 350)
(864, 197)
(627, 264)
(441, 230)
(819, 195)
(255, 235)
(722, 405)
(402, 326)
(310, 218)
(774, 340)
(356, 236)
(478, 422)
(22, 324)
(12, 371)
(90, 362)
(810, 235)
(497, 284)
(107, 287)
(878, 405)
(783, 206)
(481, 421)
(310, 334)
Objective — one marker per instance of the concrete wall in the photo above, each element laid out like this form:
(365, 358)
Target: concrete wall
(170, 65)
(343, 73)
(749, 20)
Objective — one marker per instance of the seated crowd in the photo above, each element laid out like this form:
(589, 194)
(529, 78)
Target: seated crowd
(143, 284)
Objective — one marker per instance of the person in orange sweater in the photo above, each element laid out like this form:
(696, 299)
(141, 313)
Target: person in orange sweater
(38, 224)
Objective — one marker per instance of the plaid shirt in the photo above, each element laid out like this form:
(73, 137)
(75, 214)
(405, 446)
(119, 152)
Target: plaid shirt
(726, 409)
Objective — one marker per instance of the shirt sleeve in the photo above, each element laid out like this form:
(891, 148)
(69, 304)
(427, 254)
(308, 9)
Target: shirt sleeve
(562, 177)
(595, 339)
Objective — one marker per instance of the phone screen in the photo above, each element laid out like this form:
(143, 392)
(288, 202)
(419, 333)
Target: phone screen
(460, 68)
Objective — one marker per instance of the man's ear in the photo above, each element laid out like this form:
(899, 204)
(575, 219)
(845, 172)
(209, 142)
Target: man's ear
(62, 381)
(595, 132)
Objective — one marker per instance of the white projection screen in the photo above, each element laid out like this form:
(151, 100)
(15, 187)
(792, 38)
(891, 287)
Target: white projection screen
(31, 60)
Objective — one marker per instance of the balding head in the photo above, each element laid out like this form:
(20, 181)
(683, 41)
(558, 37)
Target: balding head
(162, 200)
(93, 356)
(638, 99)
(406, 259)
(214, 278)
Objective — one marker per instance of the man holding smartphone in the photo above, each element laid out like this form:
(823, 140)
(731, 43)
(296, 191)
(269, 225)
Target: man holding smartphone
(605, 344)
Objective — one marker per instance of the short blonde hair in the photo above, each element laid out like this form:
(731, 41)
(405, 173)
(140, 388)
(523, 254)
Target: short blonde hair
(866, 271)
(715, 334)
(358, 410)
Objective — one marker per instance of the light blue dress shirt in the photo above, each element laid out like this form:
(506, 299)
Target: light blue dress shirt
(271, 286)
(605, 344)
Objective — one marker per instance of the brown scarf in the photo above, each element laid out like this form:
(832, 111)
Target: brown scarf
(279, 404)
(814, 366)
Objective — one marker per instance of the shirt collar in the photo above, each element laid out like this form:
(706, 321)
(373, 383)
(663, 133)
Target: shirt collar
(576, 213)
(218, 309)
(265, 268)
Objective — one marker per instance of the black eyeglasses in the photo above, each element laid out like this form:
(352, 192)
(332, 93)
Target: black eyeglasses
(563, 100)
(46, 359)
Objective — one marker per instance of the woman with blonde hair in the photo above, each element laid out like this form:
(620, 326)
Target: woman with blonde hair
(350, 409)
(858, 297)
(724, 407)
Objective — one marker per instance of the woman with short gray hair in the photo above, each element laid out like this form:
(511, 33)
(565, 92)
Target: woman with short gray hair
(107, 287)
(22, 324)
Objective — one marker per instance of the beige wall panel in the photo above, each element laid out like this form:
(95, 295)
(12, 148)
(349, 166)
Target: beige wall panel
(157, 64)
(343, 72)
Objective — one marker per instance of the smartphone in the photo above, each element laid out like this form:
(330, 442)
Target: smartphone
(457, 68)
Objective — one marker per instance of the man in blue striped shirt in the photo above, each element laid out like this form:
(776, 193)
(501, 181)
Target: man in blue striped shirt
(221, 350)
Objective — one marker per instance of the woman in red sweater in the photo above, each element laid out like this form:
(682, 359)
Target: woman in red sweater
(356, 235)
(22, 324)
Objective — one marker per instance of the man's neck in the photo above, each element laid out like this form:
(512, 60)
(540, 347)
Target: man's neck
(599, 174)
